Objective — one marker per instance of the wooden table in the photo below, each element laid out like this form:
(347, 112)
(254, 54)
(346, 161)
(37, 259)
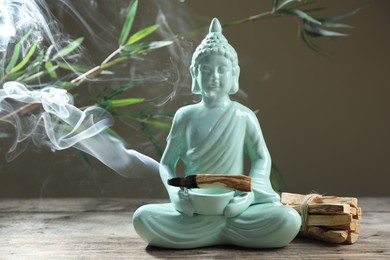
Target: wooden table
(102, 229)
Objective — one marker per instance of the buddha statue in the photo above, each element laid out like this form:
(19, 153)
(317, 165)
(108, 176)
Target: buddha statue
(213, 136)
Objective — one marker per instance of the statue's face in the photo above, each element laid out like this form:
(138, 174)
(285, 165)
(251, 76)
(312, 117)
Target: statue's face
(214, 75)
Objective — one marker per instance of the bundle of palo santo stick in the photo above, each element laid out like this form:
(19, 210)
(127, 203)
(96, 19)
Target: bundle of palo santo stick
(328, 218)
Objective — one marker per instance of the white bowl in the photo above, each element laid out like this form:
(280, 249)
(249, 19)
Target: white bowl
(210, 201)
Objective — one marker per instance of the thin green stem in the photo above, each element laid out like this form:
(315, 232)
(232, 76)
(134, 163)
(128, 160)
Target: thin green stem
(112, 63)
(98, 69)
(200, 31)
(109, 57)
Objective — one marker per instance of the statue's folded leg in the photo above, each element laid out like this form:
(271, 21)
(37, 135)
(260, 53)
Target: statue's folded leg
(162, 225)
(268, 225)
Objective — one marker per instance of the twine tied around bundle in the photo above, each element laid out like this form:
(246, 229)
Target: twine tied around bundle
(305, 210)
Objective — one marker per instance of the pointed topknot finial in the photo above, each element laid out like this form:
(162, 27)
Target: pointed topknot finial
(215, 26)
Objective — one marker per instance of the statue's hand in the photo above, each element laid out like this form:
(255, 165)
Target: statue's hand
(238, 204)
(183, 203)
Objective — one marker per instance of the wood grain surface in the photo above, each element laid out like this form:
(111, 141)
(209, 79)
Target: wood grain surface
(96, 228)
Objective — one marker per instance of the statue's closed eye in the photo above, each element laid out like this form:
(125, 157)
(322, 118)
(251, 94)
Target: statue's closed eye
(205, 69)
(222, 69)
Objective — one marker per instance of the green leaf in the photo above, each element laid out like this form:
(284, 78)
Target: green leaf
(16, 53)
(142, 34)
(159, 124)
(326, 33)
(26, 59)
(128, 23)
(133, 56)
(33, 68)
(65, 84)
(36, 64)
(145, 46)
(48, 52)
(300, 14)
(274, 3)
(126, 102)
(50, 68)
(121, 102)
(315, 30)
(35, 76)
(69, 48)
(336, 25)
(166, 114)
(158, 44)
(284, 3)
(122, 89)
(107, 72)
(73, 67)
(309, 43)
(16, 75)
(339, 17)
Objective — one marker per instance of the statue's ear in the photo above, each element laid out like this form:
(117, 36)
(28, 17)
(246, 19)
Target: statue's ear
(235, 84)
(193, 71)
(195, 86)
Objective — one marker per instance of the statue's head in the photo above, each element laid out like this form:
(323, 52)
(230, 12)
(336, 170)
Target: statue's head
(214, 44)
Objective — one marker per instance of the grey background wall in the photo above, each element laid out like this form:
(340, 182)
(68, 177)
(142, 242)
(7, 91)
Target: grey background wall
(326, 121)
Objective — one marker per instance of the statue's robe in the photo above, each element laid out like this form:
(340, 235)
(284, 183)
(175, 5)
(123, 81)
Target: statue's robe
(265, 224)
(235, 133)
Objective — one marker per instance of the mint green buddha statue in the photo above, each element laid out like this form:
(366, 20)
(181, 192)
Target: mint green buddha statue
(212, 136)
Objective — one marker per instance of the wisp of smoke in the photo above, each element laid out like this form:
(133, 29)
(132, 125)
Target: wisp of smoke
(18, 17)
(62, 125)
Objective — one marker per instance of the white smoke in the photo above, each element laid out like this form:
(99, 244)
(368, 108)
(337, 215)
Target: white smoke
(17, 17)
(65, 126)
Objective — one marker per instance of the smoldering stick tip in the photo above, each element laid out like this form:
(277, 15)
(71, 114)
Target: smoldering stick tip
(186, 182)
(177, 182)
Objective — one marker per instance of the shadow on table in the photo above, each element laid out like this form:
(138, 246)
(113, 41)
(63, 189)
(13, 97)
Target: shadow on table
(300, 246)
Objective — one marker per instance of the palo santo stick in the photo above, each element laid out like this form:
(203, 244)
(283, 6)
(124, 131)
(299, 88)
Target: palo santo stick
(331, 236)
(328, 220)
(353, 227)
(234, 182)
(326, 209)
(297, 199)
(352, 238)
(358, 214)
